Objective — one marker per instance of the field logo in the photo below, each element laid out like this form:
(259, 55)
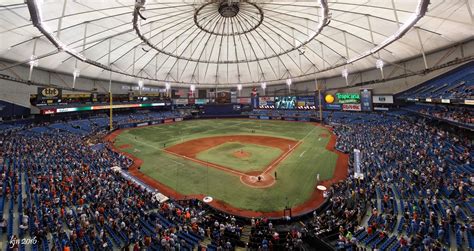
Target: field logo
(329, 98)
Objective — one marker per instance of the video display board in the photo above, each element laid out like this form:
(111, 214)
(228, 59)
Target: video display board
(286, 102)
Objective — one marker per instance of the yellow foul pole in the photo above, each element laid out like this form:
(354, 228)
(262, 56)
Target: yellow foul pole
(320, 102)
(320, 106)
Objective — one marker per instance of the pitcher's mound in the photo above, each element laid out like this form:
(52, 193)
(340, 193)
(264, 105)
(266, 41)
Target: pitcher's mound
(242, 154)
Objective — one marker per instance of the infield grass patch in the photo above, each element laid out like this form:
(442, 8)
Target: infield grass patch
(259, 157)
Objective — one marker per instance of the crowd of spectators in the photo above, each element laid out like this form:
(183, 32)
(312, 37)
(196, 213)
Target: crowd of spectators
(461, 115)
(464, 115)
(411, 169)
(67, 196)
(417, 191)
(345, 210)
(264, 235)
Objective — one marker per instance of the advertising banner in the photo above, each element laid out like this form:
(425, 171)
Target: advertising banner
(129, 125)
(366, 100)
(73, 109)
(264, 117)
(304, 119)
(351, 107)
(48, 111)
(346, 98)
(237, 108)
(380, 108)
(142, 124)
(305, 101)
(94, 97)
(266, 101)
(154, 104)
(104, 107)
(336, 107)
(223, 97)
(180, 101)
(382, 99)
(243, 100)
(233, 97)
(180, 93)
(201, 101)
(49, 93)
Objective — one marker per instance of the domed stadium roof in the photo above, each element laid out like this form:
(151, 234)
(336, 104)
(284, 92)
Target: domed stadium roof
(225, 43)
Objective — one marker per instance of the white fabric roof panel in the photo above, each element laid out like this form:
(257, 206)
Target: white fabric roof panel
(225, 42)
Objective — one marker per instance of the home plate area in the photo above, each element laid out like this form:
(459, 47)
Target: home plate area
(258, 180)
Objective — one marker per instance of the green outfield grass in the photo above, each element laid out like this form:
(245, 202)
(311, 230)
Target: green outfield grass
(260, 156)
(296, 174)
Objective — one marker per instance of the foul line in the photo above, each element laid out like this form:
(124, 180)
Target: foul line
(285, 155)
(281, 158)
(155, 147)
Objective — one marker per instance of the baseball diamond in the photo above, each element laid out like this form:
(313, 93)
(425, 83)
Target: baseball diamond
(231, 125)
(196, 159)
